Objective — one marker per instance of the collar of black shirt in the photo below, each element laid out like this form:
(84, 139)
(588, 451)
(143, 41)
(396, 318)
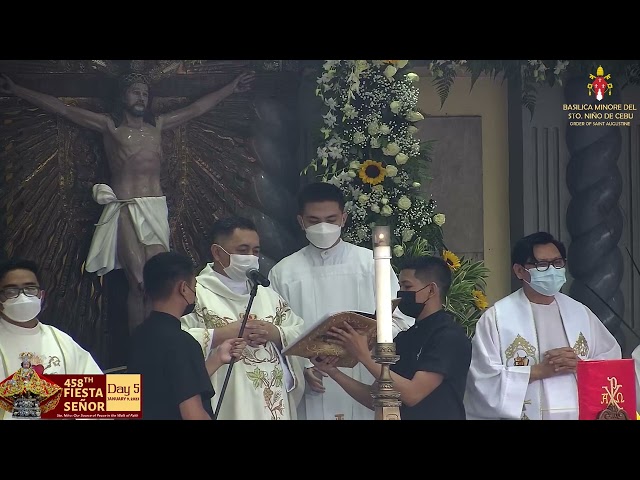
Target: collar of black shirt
(165, 318)
(433, 320)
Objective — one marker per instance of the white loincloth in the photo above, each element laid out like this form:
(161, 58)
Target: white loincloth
(150, 222)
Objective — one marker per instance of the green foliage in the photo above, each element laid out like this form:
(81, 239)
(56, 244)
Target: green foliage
(470, 277)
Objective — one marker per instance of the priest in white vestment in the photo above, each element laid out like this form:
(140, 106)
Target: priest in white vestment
(264, 384)
(328, 276)
(526, 346)
(22, 335)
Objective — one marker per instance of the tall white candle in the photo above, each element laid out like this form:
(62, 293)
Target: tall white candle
(382, 259)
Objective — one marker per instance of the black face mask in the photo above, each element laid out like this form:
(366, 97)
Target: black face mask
(190, 306)
(408, 304)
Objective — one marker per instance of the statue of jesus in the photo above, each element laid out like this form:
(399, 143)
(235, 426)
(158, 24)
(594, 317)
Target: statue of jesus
(134, 224)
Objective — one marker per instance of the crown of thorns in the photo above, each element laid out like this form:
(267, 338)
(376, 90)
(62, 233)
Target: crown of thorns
(135, 77)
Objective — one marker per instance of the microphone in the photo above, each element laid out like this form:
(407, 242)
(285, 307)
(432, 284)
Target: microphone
(257, 278)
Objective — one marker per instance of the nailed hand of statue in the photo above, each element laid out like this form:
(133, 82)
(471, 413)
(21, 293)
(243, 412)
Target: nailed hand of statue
(6, 84)
(243, 82)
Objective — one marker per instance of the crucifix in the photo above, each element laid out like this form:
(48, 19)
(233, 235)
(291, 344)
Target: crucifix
(134, 223)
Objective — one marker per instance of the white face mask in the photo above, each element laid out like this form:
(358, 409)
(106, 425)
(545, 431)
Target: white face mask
(323, 235)
(548, 282)
(22, 309)
(239, 264)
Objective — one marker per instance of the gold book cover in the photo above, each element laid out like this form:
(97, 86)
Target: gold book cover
(315, 342)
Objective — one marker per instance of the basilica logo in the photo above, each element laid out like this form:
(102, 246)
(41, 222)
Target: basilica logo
(599, 84)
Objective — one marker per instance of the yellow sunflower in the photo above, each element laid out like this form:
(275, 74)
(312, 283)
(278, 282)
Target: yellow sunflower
(452, 260)
(372, 172)
(480, 299)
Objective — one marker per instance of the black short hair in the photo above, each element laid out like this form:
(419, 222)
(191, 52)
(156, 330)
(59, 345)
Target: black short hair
(162, 271)
(523, 250)
(18, 264)
(320, 192)
(224, 227)
(430, 269)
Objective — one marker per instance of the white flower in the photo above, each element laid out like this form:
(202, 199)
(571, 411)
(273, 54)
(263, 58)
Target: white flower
(375, 208)
(335, 152)
(386, 211)
(378, 188)
(384, 129)
(362, 199)
(390, 71)
(412, 129)
(401, 159)
(392, 149)
(334, 181)
(349, 111)
(361, 65)
(373, 128)
(359, 137)
(326, 77)
(384, 200)
(414, 116)
(392, 170)
(402, 63)
(331, 103)
(354, 165)
(407, 234)
(329, 119)
(329, 64)
(395, 106)
(404, 203)
(439, 219)
(351, 174)
(413, 77)
(344, 177)
(375, 143)
(398, 251)
(415, 184)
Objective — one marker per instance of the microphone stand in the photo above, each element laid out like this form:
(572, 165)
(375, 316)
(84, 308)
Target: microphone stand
(252, 295)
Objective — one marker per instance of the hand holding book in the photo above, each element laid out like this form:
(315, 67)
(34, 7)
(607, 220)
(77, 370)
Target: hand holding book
(348, 338)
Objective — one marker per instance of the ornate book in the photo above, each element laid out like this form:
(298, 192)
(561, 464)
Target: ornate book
(606, 389)
(315, 342)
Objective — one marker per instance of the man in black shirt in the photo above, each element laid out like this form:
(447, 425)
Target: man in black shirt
(175, 376)
(435, 352)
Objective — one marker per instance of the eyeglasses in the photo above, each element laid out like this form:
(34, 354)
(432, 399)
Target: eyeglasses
(543, 266)
(13, 292)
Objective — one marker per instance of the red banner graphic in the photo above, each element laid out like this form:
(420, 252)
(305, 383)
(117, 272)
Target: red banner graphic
(116, 396)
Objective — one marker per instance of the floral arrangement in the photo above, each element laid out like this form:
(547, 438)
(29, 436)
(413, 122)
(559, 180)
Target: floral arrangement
(369, 149)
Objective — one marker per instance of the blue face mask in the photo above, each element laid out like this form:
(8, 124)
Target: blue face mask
(549, 282)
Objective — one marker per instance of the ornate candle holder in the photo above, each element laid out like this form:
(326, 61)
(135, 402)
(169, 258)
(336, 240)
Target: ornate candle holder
(386, 400)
